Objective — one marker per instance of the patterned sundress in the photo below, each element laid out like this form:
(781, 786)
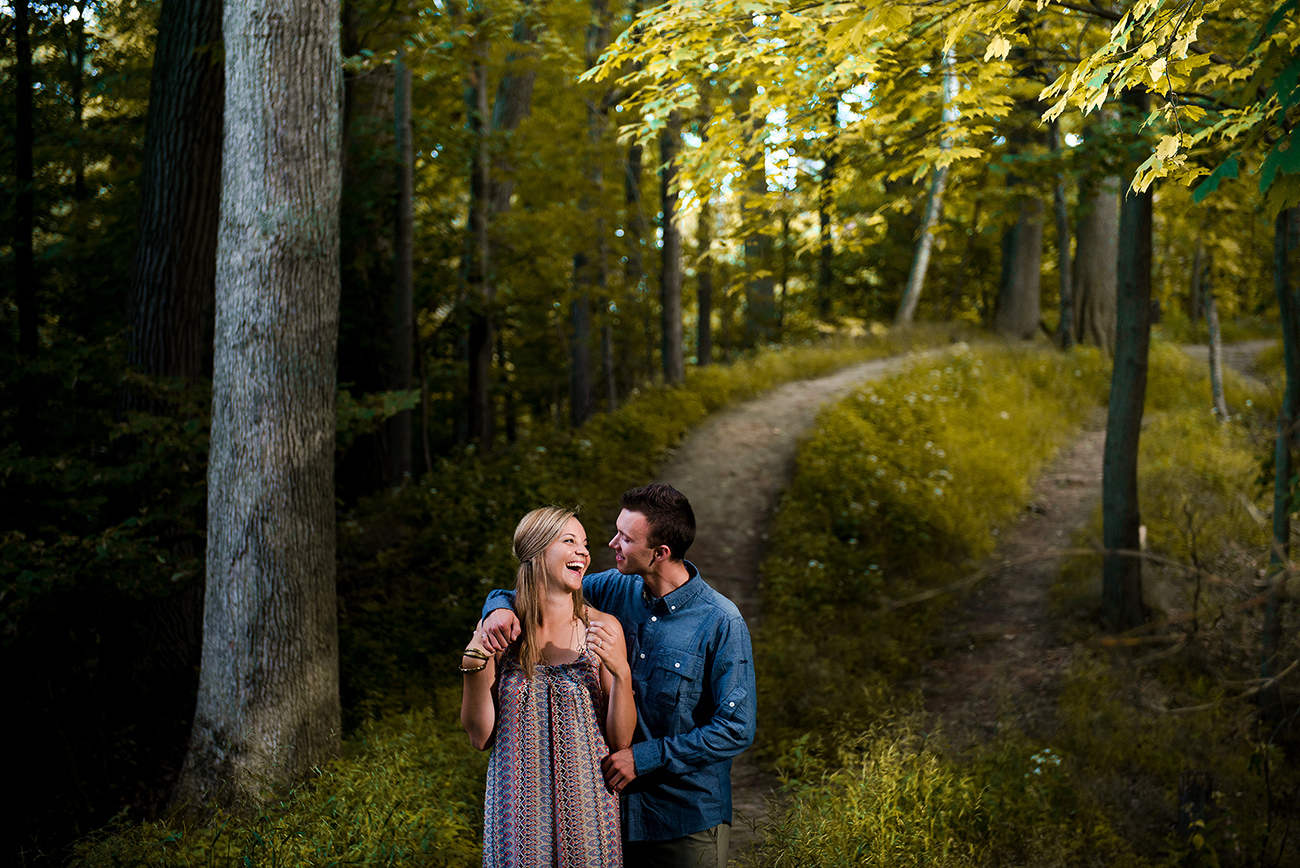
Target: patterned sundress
(547, 804)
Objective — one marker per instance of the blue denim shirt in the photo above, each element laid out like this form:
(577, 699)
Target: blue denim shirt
(693, 678)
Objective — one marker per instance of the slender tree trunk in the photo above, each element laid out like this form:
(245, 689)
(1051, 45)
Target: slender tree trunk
(478, 281)
(1194, 303)
(607, 358)
(399, 427)
(670, 275)
(1122, 605)
(24, 226)
(589, 263)
(1216, 349)
(1094, 276)
(933, 202)
(825, 210)
(268, 705)
(704, 281)
(1286, 253)
(78, 64)
(174, 272)
(1065, 334)
(760, 293)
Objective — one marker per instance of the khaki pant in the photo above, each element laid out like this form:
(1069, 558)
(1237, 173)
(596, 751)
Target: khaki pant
(707, 849)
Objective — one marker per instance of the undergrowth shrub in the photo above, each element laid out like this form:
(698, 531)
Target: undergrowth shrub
(891, 795)
(409, 791)
(416, 563)
(864, 524)
(900, 485)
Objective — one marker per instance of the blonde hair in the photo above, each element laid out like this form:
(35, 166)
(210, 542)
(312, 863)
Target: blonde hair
(534, 535)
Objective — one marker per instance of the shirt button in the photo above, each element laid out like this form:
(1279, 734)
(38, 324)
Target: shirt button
(642, 656)
(732, 704)
(674, 608)
(654, 617)
(677, 666)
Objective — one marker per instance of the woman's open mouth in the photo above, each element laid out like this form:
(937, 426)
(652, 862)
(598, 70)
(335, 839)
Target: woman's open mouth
(576, 567)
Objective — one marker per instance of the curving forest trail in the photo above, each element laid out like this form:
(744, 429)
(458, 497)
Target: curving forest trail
(1002, 650)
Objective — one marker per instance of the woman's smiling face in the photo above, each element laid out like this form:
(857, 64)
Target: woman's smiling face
(567, 558)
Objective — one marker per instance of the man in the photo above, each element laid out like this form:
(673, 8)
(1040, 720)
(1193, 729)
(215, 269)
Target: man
(693, 671)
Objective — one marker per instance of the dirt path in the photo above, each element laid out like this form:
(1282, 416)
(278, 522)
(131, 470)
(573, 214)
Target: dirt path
(1003, 652)
(734, 468)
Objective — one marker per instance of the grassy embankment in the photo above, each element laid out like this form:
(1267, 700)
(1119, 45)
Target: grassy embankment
(901, 489)
(414, 566)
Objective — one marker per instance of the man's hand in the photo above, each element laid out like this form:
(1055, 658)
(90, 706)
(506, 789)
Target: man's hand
(499, 629)
(620, 769)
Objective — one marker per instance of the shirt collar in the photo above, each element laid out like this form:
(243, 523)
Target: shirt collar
(678, 598)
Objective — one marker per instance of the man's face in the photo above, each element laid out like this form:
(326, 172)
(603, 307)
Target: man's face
(632, 552)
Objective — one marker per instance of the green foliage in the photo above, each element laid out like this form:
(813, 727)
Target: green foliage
(868, 784)
(890, 795)
(416, 562)
(902, 485)
(408, 791)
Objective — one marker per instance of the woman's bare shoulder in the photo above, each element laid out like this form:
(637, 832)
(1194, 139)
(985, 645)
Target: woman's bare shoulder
(594, 614)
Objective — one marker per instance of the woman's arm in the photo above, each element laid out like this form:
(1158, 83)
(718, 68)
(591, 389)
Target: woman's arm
(478, 711)
(605, 637)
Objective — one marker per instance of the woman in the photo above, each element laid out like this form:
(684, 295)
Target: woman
(553, 706)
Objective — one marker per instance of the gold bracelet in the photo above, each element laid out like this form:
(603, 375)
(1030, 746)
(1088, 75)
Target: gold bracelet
(477, 654)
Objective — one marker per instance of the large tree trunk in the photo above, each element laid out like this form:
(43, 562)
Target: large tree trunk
(173, 275)
(1019, 292)
(24, 226)
(403, 359)
(268, 704)
(670, 273)
(1094, 278)
(1122, 606)
(1286, 251)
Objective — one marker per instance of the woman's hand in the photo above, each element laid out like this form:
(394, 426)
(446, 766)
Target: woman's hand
(605, 637)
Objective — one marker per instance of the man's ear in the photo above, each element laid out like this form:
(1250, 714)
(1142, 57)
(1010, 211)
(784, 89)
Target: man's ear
(663, 552)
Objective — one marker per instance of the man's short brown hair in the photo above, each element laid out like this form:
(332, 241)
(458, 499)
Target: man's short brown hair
(668, 514)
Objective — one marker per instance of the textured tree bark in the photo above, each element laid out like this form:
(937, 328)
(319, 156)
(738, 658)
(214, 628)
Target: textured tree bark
(1094, 277)
(1019, 307)
(1122, 606)
(399, 427)
(173, 274)
(760, 288)
(670, 274)
(24, 225)
(1286, 255)
(704, 282)
(268, 704)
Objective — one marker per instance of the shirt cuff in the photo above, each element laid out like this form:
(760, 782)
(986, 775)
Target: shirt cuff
(648, 756)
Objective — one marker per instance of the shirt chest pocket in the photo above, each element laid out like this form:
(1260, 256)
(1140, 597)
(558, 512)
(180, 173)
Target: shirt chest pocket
(676, 680)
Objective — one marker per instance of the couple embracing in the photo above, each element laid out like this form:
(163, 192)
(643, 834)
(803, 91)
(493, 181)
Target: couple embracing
(614, 702)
